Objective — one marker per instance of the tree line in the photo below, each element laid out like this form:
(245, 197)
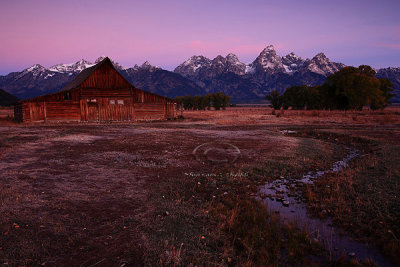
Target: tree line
(217, 100)
(349, 88)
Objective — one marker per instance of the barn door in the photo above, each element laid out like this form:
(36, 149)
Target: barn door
(37, 111)
(93, 111)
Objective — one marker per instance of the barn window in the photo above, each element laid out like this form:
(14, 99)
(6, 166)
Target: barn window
(112, 102)
(120, 102)
(67, 96)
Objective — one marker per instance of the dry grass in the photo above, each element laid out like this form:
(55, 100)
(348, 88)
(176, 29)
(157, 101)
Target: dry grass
(120, 193)
(215, 221)
(263, 115)
(364, 198)
(219, 222)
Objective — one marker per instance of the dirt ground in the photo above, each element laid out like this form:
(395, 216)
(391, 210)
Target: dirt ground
(126, 194)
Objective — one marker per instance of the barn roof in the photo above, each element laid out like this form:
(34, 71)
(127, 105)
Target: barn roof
(84, 74)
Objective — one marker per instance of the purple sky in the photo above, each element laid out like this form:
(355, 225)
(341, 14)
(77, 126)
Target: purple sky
(166, 33)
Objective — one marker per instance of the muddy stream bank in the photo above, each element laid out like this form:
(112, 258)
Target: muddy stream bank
(284, 197)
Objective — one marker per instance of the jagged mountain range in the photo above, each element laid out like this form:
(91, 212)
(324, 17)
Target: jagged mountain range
(252, 81)
(38, 80)
(197, 76)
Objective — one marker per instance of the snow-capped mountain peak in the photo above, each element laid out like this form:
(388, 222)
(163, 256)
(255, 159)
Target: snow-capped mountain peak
(35, 70)
(233, 59)
(292, 56)
(269, 49)
(99, 59)
(197, 61)
(116, 64)
(268, 61)
(234, 65)
(322, 65)
(232, 56)
(196, 65)
(320, 57)
(292, 62)
(72, 67)
(36, 67)
(219, 60)
(61, 68)
(193, 65)
(145, 66)
(81, 65)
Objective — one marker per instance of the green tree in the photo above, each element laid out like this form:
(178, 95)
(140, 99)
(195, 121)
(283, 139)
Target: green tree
(302, 97)
(196, 100)
(349, 88)
(275, 98)
(294, 97)
(312, 97)
(188, 102)
(386, 89)
(367, 70)
(205, 102)
(217, 100)
(220, 100)
(352, 88)
(225, 101)
(179, 100)
(386, 86)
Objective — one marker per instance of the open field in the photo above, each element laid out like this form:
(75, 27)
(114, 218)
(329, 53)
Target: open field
(262, 116)
(125, 194)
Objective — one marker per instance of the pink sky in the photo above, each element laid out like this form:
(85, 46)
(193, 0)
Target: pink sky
(168, 32)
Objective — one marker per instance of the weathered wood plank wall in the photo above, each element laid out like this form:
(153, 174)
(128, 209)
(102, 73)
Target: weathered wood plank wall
(62, 110)
(149, 111)
(105, 78)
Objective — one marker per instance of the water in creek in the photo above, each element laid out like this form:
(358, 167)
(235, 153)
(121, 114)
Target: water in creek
(283, 196)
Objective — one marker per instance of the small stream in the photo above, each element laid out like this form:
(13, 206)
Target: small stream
(283, 196)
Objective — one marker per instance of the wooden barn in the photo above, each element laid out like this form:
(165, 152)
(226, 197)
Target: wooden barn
(98, 93)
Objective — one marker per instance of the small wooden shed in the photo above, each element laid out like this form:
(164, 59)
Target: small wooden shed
(98, 93)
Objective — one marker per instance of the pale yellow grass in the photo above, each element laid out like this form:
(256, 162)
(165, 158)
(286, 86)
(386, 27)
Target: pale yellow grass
(265, 115)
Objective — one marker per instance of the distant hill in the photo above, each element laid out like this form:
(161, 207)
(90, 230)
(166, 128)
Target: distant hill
(156, 80)
(7, 99)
